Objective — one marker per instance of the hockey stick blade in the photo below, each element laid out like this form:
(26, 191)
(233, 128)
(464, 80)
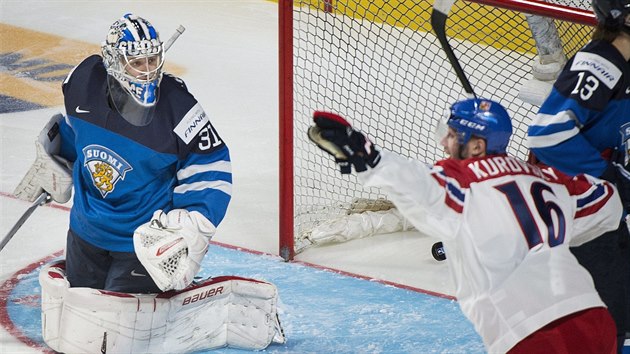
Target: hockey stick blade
(41, 200)
(441, 8)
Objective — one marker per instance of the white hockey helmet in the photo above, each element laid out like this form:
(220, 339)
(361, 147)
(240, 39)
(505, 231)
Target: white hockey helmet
(133, 54)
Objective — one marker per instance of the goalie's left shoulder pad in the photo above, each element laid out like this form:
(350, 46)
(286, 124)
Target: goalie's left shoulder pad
(224, 311)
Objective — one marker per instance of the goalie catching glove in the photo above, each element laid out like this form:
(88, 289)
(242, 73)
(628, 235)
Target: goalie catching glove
(49, 172)
(171, 246)
(348, 146)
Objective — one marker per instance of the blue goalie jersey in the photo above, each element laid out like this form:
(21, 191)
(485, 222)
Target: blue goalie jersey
(587, 114)
(123, 172)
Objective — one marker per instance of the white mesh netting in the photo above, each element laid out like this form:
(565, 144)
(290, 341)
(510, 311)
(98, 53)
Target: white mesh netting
(379, 65)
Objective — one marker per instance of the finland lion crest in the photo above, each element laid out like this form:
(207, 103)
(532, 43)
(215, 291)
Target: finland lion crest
(106, 167)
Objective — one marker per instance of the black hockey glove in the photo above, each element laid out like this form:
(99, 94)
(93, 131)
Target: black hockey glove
(348, 146)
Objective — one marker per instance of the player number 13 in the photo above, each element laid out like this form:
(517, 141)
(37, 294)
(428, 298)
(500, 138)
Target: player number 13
(585, 87)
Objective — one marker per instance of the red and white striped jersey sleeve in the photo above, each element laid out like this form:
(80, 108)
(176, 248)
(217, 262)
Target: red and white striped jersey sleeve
(597, 202)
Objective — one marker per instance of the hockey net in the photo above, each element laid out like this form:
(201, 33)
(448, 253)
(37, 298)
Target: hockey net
(378, 64)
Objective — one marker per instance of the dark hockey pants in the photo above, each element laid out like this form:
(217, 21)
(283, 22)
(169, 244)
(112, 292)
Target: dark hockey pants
(93, 267)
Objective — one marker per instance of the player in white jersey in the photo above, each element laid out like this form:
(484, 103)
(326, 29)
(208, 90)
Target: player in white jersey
(506, 226)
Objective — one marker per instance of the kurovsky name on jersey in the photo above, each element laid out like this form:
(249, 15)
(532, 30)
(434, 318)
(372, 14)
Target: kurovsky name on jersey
(603, 69)
(192, 123)
(504, 165)
(105, 166)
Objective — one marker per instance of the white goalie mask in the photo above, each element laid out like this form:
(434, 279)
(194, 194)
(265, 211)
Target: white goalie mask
(133, 55)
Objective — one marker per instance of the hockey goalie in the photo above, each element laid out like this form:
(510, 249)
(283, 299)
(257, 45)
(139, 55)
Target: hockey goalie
(152, 181)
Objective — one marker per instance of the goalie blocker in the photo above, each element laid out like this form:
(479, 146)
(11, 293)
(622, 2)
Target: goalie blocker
(224, 311)
(49, 172)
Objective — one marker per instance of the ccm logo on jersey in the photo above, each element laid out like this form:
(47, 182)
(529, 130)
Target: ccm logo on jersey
(192, 123)
(603, 69)
(202, 295)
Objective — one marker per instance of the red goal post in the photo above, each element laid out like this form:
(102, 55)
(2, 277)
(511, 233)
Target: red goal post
(378, 64)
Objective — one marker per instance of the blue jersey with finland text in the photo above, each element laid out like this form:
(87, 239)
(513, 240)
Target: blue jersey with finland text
(587, 114)
(123, 173)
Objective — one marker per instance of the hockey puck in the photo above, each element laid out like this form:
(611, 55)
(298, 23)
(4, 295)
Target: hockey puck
(438, 251)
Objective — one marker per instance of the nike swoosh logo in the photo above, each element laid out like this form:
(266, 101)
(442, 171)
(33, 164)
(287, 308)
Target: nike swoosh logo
(134, 274)
(79, 110)
(628, 90)
(167, 246)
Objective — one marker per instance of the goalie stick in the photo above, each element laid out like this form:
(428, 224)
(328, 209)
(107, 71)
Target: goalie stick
(441, 8)
(41, 200)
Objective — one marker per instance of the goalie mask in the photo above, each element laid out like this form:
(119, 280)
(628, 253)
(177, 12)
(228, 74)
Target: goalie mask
(133, 55)
(482, 118)
(613, 14)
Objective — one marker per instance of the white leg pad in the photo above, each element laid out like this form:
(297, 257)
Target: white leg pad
(225, 311)
(54, 285)
(253, 319)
